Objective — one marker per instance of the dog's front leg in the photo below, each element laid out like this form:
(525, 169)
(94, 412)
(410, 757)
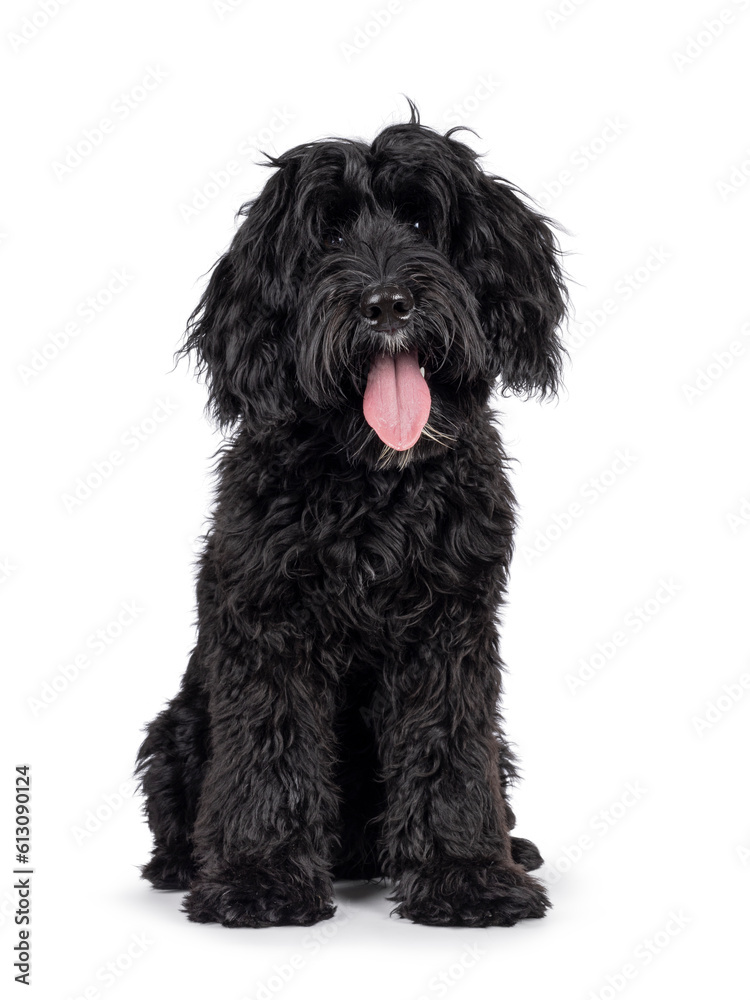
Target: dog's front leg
(445, 835)
(268, 806)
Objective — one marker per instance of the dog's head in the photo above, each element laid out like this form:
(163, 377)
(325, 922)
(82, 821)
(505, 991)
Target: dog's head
(375, 293)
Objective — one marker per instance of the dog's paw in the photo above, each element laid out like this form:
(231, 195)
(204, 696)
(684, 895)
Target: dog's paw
(469, 894)
(525, 854)
(254, 897)
(167, 871)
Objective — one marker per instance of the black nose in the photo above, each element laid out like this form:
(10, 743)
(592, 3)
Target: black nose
(387, 307)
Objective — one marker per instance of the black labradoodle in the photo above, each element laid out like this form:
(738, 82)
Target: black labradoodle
(339, 714)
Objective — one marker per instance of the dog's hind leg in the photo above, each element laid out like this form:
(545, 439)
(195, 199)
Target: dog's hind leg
(170, 766)
(524, 852)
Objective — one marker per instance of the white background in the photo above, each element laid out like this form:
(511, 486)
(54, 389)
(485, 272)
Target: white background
(656, 208)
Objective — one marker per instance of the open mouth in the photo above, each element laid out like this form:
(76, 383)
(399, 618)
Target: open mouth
(397, 398)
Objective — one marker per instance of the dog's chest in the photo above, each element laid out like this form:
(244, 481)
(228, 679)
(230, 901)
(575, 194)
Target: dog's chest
(364, 550)
(360, 533)
(402, 535)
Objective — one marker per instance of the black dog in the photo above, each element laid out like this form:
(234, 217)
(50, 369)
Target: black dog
(339, 714)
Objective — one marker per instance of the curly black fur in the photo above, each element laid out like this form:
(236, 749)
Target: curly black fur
(339, 714)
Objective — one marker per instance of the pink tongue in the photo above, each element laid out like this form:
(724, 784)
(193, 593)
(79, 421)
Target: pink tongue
(397, 399)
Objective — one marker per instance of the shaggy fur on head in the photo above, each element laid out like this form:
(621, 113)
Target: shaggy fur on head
(339, 714)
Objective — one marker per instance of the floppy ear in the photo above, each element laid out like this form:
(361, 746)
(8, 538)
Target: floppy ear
(237, 333)
(511, 257)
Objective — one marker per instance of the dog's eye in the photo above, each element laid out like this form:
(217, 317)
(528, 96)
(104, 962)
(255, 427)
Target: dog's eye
(421, 227)
(332, 239)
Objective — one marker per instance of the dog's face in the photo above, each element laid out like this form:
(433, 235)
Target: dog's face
(374, 294)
